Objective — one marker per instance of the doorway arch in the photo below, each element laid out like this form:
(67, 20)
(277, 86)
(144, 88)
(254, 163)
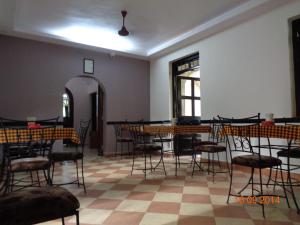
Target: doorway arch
(68, 108)
(88, 101)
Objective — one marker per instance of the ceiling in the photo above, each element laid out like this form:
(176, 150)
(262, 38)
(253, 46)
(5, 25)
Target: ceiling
(155, 26)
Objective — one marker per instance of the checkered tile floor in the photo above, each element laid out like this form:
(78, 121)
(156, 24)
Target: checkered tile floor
(114, 197)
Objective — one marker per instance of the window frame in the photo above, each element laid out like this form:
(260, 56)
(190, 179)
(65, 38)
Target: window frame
(176, 86)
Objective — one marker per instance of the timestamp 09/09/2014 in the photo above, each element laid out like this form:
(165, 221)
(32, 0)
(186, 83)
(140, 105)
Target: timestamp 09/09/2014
(262, 200)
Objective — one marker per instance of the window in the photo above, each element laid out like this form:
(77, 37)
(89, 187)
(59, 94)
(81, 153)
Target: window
(66, 105)
(186, 87)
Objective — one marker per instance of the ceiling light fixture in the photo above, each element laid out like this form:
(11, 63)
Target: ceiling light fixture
(123, 31)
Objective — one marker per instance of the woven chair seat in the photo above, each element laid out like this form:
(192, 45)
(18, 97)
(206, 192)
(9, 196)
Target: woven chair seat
(210, 148)
(292, 153)
(34, 163)
(147, 147)
(254, 161)
(36, 205)
(205, 143)
(65, 156)
(124, 139)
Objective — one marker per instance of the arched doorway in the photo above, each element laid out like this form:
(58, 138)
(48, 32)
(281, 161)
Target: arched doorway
(88, 103)
(68, 108)
(68, 112)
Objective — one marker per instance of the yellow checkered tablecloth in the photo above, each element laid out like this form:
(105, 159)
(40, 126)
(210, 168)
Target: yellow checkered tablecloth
(184, 129)
(275, 131)
(23, 135)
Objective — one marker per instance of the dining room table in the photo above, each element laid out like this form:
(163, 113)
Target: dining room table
(289, 132)
(177, 129)
(60, 133)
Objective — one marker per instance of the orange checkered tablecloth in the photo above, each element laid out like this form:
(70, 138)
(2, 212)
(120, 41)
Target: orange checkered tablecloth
(275, 131)
(60, 134)
(184, 129)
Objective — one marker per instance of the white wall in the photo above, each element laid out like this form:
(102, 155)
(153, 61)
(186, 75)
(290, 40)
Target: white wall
(244, 70)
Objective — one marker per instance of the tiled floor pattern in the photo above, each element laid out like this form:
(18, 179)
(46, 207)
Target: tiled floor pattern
(114, 197)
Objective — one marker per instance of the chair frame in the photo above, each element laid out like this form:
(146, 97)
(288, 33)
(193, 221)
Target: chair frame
(183, 146)
(242, 143)
(141, 138)
(62, 217)
(215, 138)
(36, 147)
(119, 130)
(84, 127)
(290, 183)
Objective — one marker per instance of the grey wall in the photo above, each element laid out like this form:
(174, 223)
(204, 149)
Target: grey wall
(33, 76)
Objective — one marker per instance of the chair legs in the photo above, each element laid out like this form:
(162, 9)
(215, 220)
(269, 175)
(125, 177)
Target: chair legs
(77, 181)
(128, 148)
(12, 181)
(213, 167)
(82, 176)
(121, 148)
(261, 191)
(77, 176)
(77, 218)
(34, 180)
(250, 181)
(116, 149)
(133, 159)
(176, 164)
(210, 164)
(230, 185)
(152, 168)
(145, 169)
(286, 184)
(162, 159)
(283, 185)
(291, 188)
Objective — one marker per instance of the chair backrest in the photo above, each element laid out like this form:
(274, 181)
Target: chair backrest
(139, 136)
(16, 139)
(83, 130)
(238, 136)
(136, 133)
(43, 137)
(214, 135)
(118, 130)
(16, 144)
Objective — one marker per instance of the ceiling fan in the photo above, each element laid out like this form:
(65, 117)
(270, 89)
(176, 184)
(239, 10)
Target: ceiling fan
(123, 31)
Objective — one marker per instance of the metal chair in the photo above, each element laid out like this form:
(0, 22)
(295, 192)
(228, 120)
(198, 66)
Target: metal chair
(75, 156)
(27, 150)
(37, 205)
(143, 145)
(289, 152)
(121, 138)
(243, 152)
(211, 147)
(183, 146)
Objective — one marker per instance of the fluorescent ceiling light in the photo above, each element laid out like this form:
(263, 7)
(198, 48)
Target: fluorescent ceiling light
(93, 36)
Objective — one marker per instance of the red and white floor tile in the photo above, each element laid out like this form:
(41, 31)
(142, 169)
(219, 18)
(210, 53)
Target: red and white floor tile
(115, 197)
